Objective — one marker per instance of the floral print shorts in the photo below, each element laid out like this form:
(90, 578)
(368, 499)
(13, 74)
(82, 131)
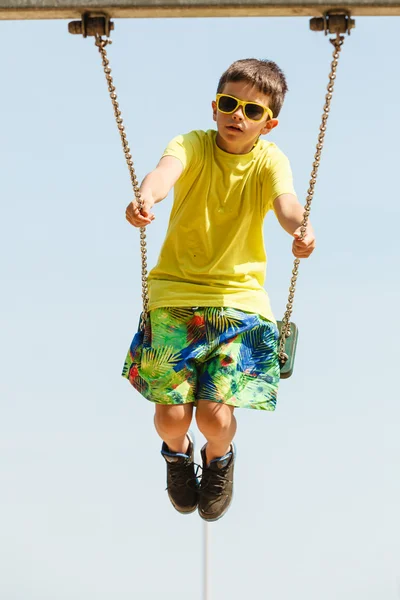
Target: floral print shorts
(205, 353)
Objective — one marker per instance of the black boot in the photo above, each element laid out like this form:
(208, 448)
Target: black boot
(182, 483)
(216, 486)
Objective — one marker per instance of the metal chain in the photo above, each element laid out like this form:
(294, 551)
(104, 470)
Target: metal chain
(285, 329)
(101, 44)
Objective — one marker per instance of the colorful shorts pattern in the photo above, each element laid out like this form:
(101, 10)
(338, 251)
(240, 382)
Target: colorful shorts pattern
(205, 353)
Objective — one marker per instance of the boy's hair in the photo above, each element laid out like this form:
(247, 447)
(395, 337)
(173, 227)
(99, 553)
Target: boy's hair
(263, 74)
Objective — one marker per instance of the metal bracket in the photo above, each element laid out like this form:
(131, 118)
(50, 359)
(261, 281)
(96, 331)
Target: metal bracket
(92, 24)
(337, 20)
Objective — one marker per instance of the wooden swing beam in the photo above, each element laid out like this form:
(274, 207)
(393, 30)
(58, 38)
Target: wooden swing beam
(73, 9)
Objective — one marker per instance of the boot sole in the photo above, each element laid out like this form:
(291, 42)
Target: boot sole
(205, 518)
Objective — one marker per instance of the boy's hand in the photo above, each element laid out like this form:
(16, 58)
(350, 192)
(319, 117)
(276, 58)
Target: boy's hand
(137, 218)
(303, 248)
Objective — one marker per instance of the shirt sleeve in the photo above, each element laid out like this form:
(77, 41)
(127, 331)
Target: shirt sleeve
(187, 148)
(278, 180)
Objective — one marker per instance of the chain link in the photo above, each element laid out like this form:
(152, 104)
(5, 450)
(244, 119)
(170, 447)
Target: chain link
(101, 45)
(285, 328)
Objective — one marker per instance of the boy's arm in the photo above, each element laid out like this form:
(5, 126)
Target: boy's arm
(155, 187)
(290, 214)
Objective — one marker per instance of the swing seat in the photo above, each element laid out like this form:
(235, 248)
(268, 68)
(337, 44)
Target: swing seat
(290, 350)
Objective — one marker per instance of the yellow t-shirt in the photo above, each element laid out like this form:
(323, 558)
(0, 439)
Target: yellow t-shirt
(213, 253)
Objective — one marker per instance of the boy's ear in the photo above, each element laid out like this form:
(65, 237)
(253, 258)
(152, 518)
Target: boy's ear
(214, 109)
(269, 126)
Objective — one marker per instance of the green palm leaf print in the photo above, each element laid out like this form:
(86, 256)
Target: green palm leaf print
(180, 313)
(158, 361)
(127, 364)
(195, 329)
(141, 386)
(221, 319)
(210, 392)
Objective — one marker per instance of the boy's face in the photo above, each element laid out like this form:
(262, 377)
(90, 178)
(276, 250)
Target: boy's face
(236, 133)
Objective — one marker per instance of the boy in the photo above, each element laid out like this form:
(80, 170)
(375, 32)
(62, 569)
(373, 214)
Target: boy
(210, 339)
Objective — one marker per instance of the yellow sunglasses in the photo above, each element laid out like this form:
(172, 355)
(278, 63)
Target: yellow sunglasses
(252, 111)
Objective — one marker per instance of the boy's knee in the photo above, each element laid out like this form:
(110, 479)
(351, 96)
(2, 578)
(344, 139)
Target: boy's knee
(174, 420)
(213, 419)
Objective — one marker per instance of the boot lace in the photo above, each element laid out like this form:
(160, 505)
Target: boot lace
(213, 483)
(182, 475)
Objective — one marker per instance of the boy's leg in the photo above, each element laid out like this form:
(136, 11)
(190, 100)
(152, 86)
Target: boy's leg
(172, 423)
(218, 425)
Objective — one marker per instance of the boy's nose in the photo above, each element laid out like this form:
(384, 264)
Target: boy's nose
(238, 114)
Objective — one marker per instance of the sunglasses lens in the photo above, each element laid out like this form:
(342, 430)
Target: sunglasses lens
(227, 104)
(255, 112)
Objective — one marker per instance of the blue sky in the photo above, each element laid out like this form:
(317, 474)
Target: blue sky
(83, 511)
